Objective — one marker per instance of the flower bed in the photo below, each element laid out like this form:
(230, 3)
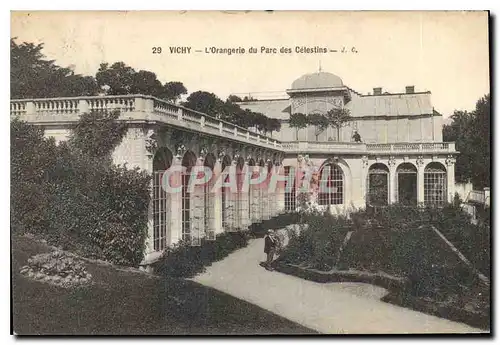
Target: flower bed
(399, 242)
(57, 268)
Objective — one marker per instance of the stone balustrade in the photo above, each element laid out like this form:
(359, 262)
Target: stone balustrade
(362, 148)
(65, 110)
(133, 108)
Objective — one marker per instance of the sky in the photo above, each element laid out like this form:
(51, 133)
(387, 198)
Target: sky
(443, 52)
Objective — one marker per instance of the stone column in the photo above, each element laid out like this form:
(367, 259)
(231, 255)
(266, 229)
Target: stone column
(450, 177)
(393, 182)
(420, 181)
(255, 197)
(175, 234)
(364, 177)
(244, 198)
(217, 208)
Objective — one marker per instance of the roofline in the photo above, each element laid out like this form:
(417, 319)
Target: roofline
(319, 89)
(398, 94)
(263, 100)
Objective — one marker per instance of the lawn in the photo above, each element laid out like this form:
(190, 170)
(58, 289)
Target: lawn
(124, 302)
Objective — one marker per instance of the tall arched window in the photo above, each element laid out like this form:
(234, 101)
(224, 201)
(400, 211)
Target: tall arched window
(290, 193)
(407, 184)
(161, 200)
(378, 185)
(331, 185)
(435, 184)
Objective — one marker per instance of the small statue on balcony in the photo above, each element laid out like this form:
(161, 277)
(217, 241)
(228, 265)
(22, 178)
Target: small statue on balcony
(356, 137)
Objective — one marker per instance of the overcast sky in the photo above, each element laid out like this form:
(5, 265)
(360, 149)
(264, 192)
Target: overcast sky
(442, 52)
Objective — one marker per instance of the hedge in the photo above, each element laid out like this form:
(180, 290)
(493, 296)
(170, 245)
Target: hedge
(72, 195)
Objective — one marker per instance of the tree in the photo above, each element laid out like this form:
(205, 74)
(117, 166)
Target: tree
(173, 90)
(298, 121)
(234, 99)
(337, 118)
(273, 125)
(145, 83)
(32, 76)
(471, 132)
(206, 102)
(319, 121)
(119, 78)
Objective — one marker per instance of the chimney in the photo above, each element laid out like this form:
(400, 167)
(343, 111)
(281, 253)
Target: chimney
(377, 91)
(410, 89)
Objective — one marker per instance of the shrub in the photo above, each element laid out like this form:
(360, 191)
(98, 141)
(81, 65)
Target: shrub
(185, 261)
(74, 196)
(397, 240)
(57, 268)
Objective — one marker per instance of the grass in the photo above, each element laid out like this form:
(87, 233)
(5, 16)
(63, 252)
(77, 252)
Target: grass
(131, 303)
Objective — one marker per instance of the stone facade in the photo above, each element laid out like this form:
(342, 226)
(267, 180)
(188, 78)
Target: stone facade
(401, 155)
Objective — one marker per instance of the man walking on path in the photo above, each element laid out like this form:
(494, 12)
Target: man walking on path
(270, 244)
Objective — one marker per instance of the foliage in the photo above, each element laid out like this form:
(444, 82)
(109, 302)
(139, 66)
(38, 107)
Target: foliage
(298, 121)
(74, 196)
(120, 79)
(397, 240)
(471, 132)
(98, 133)
(57, 268)
(233, 99)
(173, 90)
(335, 118)
(184, 261)
(32, 76)
(319, 121)
(230, 111)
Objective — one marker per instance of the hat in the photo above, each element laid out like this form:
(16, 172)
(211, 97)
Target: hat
(270, 231)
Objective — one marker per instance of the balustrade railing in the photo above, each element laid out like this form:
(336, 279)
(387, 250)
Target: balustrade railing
(328, 146)
(72, 106)
(43, 108)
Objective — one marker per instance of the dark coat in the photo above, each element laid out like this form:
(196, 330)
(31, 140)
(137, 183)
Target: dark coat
(269, 244)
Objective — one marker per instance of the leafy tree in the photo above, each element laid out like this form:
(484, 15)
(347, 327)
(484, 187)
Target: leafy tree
(206, 102)
(471, 132)
(319, 121)
(32, 76)
(173, 90)
(298, 121)
(273, 125)
(337, 118)
(118, 77)
(234, 99)
(146, 83)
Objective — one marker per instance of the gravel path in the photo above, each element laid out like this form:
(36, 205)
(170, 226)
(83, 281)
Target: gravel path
(346, 308)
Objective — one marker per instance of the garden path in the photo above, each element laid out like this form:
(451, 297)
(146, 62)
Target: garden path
(332, 308)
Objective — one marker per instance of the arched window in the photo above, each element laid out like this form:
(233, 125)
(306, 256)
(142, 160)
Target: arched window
(378, 185)
(407, 184)
(331, 185)
(290, 193)
(161, 200)
(435, 184)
